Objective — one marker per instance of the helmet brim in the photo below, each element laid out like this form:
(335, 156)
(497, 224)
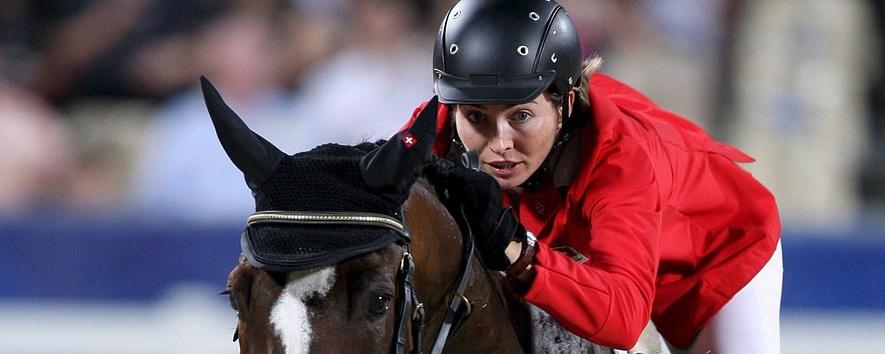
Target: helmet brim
(480, 89)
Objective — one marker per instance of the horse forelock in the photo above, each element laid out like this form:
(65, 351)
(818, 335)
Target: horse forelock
(289, 315)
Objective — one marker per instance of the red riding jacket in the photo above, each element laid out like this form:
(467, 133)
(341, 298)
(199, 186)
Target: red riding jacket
(670, 227)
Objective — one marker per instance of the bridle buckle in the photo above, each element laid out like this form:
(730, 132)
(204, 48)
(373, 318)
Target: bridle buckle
(418, 312)
(405, 261)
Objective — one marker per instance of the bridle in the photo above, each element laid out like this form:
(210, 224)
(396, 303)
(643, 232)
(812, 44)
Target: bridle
(410, 310)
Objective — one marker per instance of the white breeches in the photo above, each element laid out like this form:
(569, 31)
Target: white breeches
(750, 322)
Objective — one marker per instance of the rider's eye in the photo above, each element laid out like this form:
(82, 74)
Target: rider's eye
(474, 116)
(522, 116)
(379, 303)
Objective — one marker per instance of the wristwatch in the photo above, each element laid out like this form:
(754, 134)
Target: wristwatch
(530, 238)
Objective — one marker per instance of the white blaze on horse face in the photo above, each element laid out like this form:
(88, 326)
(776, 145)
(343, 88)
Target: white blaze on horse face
(289, 313)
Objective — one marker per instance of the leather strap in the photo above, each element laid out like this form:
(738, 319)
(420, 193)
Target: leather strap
(455, 315)
(407, 270)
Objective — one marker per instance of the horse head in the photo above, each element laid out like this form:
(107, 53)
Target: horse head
(329, 256)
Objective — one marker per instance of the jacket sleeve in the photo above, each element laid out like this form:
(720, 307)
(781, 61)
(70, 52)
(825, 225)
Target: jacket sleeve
(608, 299)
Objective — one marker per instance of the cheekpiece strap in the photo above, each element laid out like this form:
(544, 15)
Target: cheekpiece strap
(406, 277)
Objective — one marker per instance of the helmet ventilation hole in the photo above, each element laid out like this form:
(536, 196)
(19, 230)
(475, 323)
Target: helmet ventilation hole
(534, 16)
(523, 50)
(453, 49)
(456, 14)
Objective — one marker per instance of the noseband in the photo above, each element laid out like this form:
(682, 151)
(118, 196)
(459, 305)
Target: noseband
(410, 309)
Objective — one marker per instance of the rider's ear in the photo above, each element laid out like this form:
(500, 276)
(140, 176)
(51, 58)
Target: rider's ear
(393, 167)
(570, 100)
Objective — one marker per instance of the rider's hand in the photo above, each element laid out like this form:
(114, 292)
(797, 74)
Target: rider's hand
(493, 226)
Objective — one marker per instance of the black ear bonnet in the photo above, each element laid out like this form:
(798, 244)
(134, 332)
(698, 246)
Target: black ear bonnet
(368, 178)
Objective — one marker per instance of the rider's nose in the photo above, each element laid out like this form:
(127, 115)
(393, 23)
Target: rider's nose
(503, 139)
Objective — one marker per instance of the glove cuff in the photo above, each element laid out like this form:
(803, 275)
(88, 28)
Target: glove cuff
(507, 229)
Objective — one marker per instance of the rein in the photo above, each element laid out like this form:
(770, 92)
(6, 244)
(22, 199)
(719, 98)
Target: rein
(455, 317)
(411, 310)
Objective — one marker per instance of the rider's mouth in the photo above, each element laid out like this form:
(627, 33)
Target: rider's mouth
(504, 168)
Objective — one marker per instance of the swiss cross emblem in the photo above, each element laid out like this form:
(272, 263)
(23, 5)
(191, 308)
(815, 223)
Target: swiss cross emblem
(409, 140)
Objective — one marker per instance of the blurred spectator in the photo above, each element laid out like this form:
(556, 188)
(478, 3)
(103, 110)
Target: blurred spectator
(108, 135)
(873, 173)
(33, 144)
(16, 32)
(668, 49)
(369, 89)
(802, 67)
(116, 47)
(35, 152)
(597, 22)
(184, 173)
(315, 30)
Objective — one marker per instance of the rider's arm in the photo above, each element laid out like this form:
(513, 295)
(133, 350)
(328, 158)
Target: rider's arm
(608, 299)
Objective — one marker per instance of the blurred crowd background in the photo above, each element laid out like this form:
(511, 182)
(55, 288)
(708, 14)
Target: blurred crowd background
(99, 112)
(101, 118)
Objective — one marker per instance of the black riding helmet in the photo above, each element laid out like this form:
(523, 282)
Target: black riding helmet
(505, 51)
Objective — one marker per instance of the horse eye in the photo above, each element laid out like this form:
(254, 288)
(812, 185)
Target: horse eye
(233, 303)
(231, 298)
(379, 303)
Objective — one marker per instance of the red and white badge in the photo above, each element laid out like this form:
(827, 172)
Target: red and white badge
(409, 140)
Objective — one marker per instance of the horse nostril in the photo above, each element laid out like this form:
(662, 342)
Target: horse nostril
(312, 301)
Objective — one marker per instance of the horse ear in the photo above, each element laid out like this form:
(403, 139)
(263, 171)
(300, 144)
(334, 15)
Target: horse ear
(393, 167)
(255, 157)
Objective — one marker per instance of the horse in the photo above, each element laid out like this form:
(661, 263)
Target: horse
(351, 251)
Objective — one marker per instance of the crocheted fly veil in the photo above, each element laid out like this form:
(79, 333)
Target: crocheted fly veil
(326, 182)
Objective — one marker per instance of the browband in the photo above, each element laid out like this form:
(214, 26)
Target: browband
(309, 217)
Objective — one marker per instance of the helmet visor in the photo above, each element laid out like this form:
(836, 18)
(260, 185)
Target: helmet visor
(491, 89)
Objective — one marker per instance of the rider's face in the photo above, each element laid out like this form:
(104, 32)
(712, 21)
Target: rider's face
(512, 140)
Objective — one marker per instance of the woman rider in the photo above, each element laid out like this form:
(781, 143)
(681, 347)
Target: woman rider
(638, 213)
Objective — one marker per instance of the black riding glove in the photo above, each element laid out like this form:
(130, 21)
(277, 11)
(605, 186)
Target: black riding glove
(480, 195)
